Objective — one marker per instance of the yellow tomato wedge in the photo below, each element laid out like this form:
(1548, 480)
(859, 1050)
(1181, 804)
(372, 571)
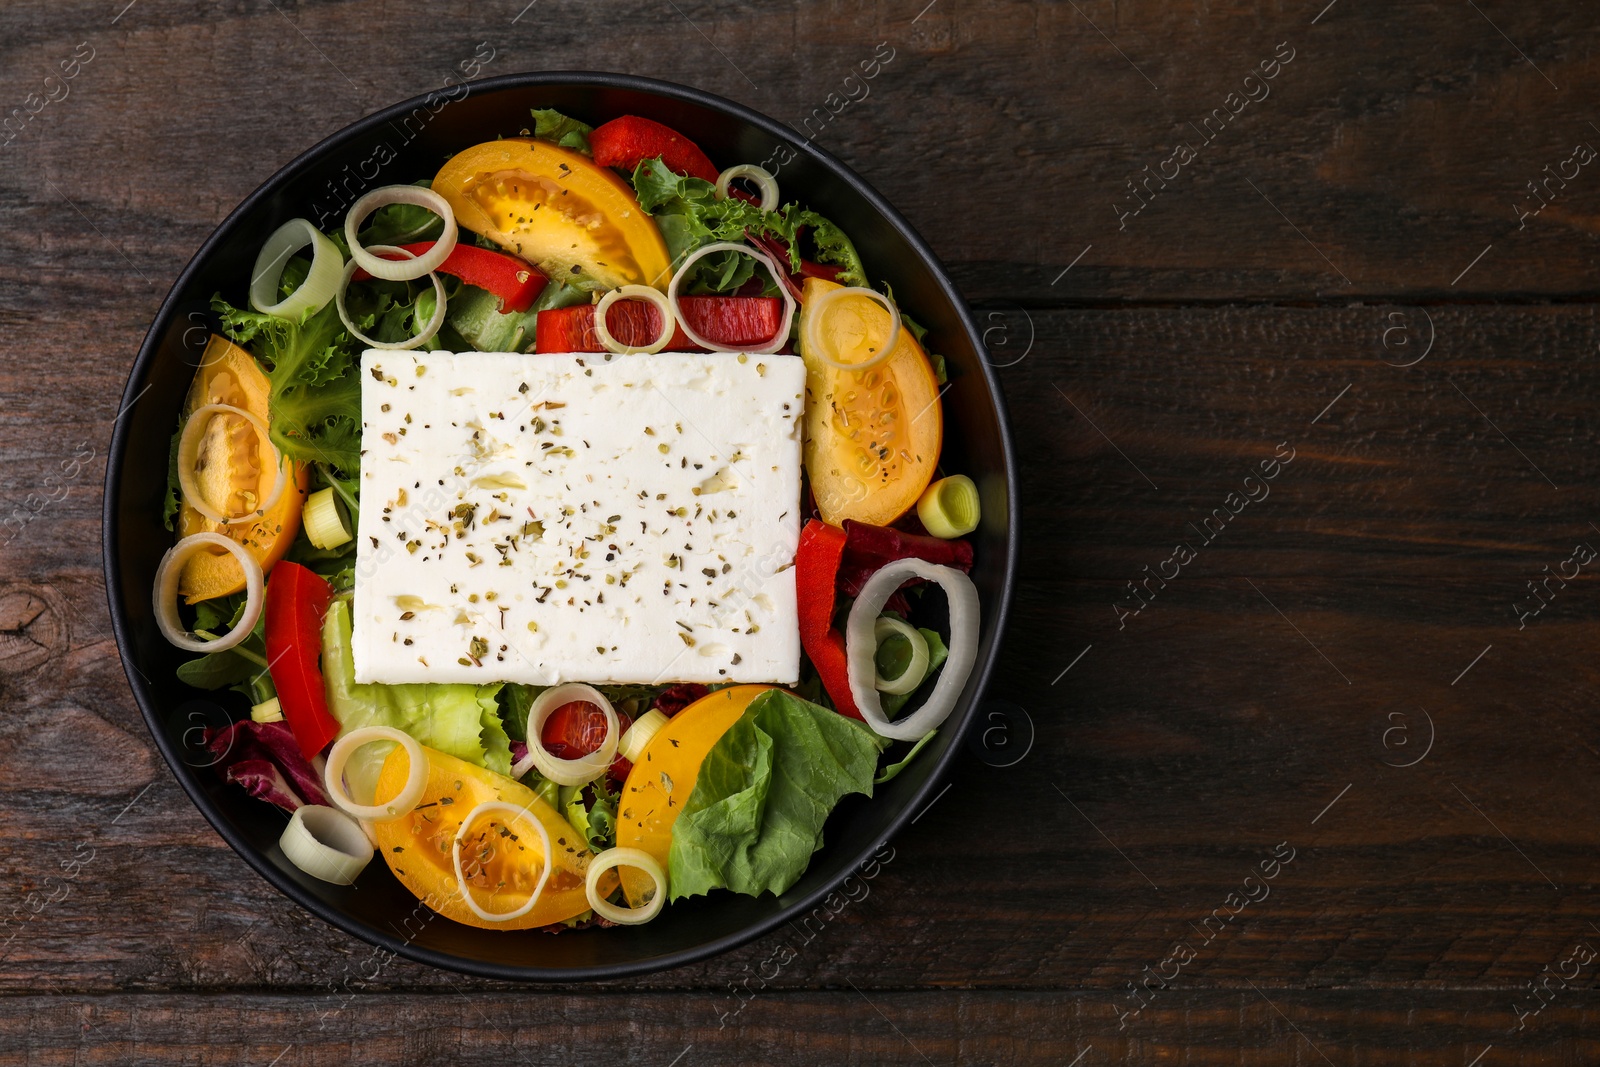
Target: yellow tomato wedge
(665, 774)
(556, 209)
(872, 436)
(235, 468)
(418, 847)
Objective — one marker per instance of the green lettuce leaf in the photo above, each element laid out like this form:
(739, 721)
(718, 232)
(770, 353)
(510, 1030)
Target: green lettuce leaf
(689, 214)
(766, 787)
(314, 406)
(568, 132)
(459, 720)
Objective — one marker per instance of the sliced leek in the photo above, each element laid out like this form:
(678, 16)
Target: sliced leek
(322, 281)
(326, 844)
(267, 711)
(916, 666)
(655, 298)
(949, 507)
(639, 734)
(323, 519)
(626, 857)
(462, 885)
(758, 176)
(402, 803)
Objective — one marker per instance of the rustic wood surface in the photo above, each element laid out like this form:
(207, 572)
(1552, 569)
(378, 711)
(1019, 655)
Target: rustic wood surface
(1352, 672)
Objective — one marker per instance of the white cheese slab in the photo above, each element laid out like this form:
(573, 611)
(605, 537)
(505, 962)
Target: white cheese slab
(556, 518)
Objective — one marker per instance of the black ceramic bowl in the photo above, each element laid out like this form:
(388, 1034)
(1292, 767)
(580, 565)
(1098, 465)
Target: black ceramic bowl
(420, 134)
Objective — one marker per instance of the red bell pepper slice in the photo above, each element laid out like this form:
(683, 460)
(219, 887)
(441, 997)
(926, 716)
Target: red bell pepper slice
(816, 570)
(297, 599)
(630, 140)
(516, 282)
(731, 321)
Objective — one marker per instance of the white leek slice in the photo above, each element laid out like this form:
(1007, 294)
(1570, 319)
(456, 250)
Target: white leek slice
(194, 428)
(580, 771)
(322, 281)
(415, 266)
(513, 810)
(267, 711)
(752, 173)
(408, 797)
(949, 507)
(322, 520)
(861, 646)
(634, 292)
(639, 734)
(811, 331)
(778, 340)
(326, 844)
(165, 595)
(625, 857)
(916, 670)
(434, 322)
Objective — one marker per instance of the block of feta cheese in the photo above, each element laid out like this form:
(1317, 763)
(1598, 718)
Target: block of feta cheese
(582, 517)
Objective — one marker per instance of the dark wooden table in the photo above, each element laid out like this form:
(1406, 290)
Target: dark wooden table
(1344, 663)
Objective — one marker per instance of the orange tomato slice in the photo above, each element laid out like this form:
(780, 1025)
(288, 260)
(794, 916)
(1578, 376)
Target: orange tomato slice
(873, 436)
(556, 209)
(664, 776)
(418, 846)
(237, 467)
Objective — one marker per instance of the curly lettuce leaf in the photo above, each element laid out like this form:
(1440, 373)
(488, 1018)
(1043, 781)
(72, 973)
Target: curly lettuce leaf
(766, 787)
(689, 214)
(568, 132)
(314, 407)
(459, 720)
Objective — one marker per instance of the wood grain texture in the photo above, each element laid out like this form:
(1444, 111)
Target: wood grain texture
(1371, 611)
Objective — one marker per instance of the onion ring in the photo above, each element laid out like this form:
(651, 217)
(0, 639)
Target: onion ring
(392, 346)
(166, 593)
(461, 877)
(326, 843)
(812, 323)
(766, 349)
(189, 451)
(321, 281)
(861, 647)
(579, 771)
(403, 271)
(634, 292)
(750, 172)
(403, 803)
(625, 857)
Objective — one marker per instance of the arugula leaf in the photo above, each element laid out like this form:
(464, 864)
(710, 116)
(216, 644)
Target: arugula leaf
(216, 670)
(400, 224)
(314, 406)
(568, 132)
(766, 787)
(894, 769)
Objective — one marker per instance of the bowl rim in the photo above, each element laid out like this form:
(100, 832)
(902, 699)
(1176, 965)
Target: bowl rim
(122, 629)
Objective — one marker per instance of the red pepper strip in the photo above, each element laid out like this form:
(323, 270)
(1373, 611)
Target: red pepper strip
(816, 569)
(731, 321)
(516, 282)
(297, 599)
(628, 141)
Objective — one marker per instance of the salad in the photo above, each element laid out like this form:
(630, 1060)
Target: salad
(573, 522)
